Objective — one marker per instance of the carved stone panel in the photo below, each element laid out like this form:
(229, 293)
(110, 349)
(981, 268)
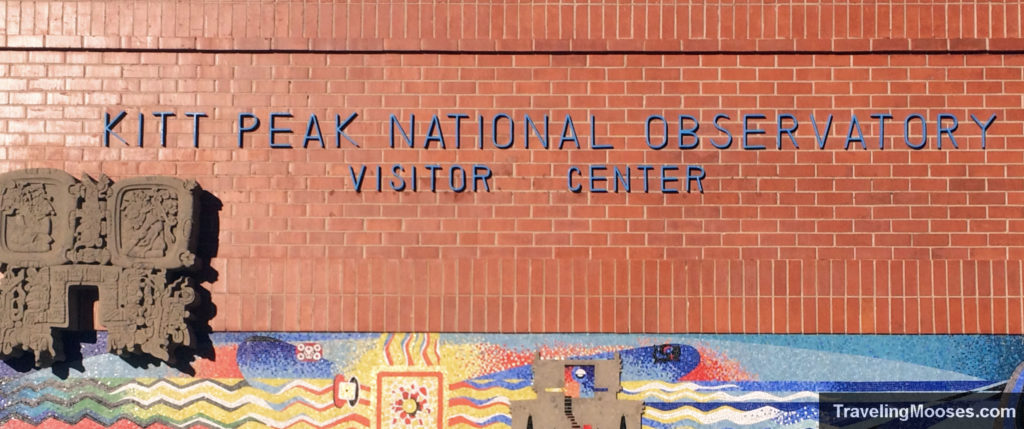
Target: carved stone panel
(25, 300)
(134, 242)
(90, 240)
(152, 222)
(34, 216)
(150, 312)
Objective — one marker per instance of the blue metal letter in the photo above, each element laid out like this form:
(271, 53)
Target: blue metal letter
(790, 131)
(482, 173)
(163, 126)
(881, 127)
(594, 179)
(396, 169)
(339, 129)
(623, 178)
(511, 131)
(942, 129)
(458, 127)
(433, 169)
(647, 170)
(664, 126)
(242, 129)
(435, 125)
(313, 122)
(108, 126)
(692, 132)
(566, 128)
(451, 178)
(748, 131)
(817, 134)
(719, 127)
(924, 131)
(665, 179)
(690, 170)
(984, 128)
(593, 136)
(574, 188)
(410, 139)
(357, 182)
(545, 139)
(849, 134)
(195, 126)
(275, 130)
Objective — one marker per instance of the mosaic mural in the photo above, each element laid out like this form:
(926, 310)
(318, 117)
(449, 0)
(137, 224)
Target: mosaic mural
(423, 380)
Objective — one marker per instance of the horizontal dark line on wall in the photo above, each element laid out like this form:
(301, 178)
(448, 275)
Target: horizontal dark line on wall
(522, 52)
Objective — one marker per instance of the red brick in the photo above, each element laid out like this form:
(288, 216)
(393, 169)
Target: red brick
(777, 209)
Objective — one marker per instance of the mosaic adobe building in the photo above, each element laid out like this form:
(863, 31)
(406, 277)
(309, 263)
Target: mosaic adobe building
(847, 238)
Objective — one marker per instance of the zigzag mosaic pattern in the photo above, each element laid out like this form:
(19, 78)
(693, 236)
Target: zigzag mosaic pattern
(180, 402)
(474, 381)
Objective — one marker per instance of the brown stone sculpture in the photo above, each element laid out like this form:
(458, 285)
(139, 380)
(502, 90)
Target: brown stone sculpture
(134, 242)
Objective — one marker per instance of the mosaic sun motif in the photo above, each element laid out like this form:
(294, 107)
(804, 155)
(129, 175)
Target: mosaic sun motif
(409, 400)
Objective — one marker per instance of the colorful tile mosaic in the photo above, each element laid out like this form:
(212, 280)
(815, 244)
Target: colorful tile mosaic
(424, 380)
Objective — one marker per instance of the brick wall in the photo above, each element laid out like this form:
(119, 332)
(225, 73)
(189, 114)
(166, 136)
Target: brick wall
(791, 240)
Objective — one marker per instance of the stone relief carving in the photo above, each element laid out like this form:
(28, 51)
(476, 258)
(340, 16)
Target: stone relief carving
(149, 219)
(28, 210)
(90, 244)
(34, 217)
(133, 241)
(153, 223)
